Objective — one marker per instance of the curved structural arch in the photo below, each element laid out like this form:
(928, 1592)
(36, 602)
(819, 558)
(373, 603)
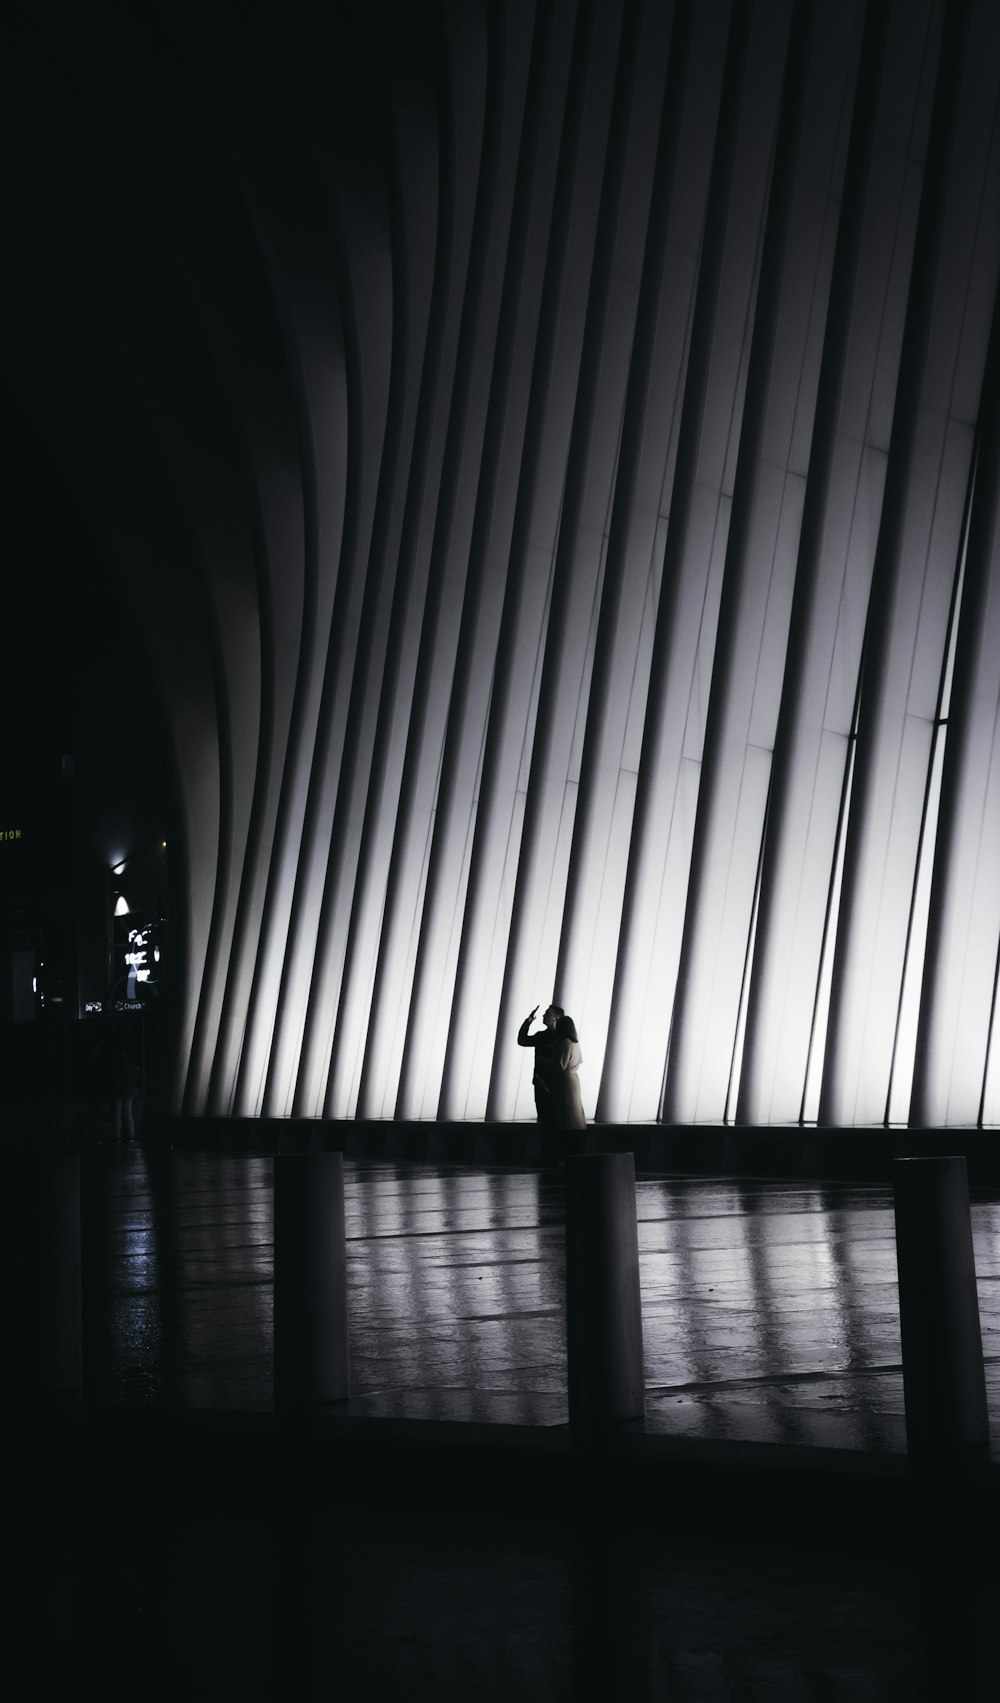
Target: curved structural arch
(555, 449)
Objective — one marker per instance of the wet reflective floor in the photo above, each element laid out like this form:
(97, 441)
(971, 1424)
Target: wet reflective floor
(769, 1309)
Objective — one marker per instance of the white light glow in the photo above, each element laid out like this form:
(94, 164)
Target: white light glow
(616, 671)
(906, 1037)
(821, 1016)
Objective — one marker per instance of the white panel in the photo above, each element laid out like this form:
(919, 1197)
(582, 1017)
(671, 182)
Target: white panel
(960, 997)
(803, 825)
(824, 985)
(904, 1051)
(968, 970)
(595, 973)
(991, 1089)
(787, 998)
(648, 995)
(838, 712)
(878, 926)
(890, 330)
(498, 821)
(942, 566)
(479, 1019)
(748, 704)
(774, 621)
(699, 1081)
(661, 856)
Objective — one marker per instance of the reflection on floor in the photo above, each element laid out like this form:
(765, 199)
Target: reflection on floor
(769, 1308)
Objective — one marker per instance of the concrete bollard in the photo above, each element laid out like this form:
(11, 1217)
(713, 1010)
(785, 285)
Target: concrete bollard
(944, 1383)
(311, 1345)
(603, 1304)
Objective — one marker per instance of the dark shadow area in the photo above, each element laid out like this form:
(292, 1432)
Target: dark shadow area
(222, 1561)
(82, 794)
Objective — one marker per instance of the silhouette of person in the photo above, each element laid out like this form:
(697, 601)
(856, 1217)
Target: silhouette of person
(544, 1042)
(125, 1081)
(567, 1101)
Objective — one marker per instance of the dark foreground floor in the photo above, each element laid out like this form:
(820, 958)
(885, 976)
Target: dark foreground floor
(163, 1562)
(445, 1535)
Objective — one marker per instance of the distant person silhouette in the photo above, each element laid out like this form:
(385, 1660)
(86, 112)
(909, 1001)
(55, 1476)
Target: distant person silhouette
(566, 1097)
(544, 1079)
(125, 1081)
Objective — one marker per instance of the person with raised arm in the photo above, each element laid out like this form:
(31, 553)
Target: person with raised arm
(548, 1096)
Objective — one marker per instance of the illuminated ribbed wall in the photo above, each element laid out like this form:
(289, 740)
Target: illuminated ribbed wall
(561, 472)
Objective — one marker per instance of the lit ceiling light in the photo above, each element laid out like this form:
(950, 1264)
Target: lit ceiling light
(121, 906)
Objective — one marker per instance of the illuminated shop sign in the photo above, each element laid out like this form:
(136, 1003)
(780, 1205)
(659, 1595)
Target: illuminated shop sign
(136, 957)
(10, 834)
(142, 959)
